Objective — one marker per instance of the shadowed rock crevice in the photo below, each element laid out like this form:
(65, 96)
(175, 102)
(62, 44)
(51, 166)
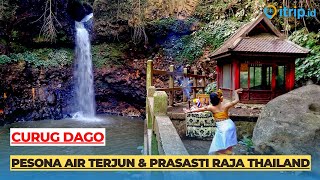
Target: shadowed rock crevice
(78, 10)
(315, 108)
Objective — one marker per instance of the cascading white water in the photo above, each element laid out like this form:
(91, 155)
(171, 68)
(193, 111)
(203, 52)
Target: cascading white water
(83, 73)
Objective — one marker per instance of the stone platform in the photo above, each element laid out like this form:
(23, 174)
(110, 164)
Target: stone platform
(241, 112)
(244, 116)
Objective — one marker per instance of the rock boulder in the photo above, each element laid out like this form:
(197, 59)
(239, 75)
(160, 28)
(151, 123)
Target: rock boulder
(290, 123)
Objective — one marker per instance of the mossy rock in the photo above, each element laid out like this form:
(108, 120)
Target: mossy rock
(108, 54)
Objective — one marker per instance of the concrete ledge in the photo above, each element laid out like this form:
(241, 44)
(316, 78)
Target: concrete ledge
(145, 139)
(169, 142)
(160, 103)
(150, 101)
(158, 123)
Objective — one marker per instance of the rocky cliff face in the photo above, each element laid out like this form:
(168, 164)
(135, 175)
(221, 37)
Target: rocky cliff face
(44, 92)
(32, 94)
(28, 93)
(121, 90)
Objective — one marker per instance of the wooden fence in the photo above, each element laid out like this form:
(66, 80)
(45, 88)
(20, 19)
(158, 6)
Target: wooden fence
(170, 90)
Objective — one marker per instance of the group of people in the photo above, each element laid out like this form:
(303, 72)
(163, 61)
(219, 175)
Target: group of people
(225, 136)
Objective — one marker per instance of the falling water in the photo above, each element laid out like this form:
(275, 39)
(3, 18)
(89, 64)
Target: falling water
(85, 99)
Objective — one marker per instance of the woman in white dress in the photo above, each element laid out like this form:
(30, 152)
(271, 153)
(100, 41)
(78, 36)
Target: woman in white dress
(226, 136)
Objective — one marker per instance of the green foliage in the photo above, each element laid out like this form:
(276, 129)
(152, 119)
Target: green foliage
(41, 57)
(60, 57)
(103, 54)
(248, 143)
(212, 35)
(209, 10)
(165, 22)
(108, 54)
(154, 145)
(5, 59)
(212, 87)
(309, 67)
(17, 47)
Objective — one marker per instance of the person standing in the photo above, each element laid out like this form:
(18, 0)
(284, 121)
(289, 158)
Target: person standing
(226, 136)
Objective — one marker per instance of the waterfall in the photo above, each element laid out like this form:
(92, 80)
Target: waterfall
(83, 73)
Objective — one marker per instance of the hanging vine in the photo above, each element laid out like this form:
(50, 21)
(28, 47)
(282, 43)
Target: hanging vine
(48, 29)
(137, 22)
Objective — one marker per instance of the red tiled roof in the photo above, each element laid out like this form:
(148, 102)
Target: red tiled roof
(270, 42)
(270, 45)
(232, 41)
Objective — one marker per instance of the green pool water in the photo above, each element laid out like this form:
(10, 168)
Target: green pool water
(124, 135)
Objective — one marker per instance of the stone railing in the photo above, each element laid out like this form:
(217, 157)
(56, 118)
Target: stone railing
(159, 127)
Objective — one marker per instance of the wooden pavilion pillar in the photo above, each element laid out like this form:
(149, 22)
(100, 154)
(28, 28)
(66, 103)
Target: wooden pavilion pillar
(236, 75)
(274, 80)
(290, 76)
(218, 72)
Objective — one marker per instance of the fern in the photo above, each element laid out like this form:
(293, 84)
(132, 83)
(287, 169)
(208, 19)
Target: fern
(307, 68)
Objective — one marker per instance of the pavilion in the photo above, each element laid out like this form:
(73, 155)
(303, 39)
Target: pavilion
(258, 59)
